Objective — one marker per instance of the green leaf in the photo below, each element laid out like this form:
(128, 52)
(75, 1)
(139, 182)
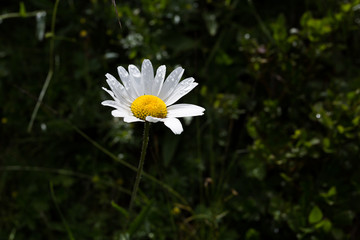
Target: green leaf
(315, 215)
(346, 7)
(252, 234)
(327, 225)
(332, 191)
(285, 177)
(22, 9)
(340, 129)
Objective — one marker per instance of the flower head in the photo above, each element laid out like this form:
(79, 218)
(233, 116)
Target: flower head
(144, 97)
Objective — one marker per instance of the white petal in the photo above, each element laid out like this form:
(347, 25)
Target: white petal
(130, 119)
(109, 92)
(184, 110)
(110, 103)
(181, 90)
(119, 113)
(171, 82)
(153, 119)
(147, 73)
(136, 80)
(159, 80)
(174, 124)
(125, 78)
(116, 105)
(123, 104)
(118, 89)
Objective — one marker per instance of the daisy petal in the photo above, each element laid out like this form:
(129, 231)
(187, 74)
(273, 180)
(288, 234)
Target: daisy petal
(174, 124)
(110, 103)
(171, 82)
(116, 105)
(184, 110)
(153, 119)
(147, 73)
(117, 88)
(109, 92)
(181, 90)
(119, 113)
(136, 80)
(130, 119)
(114, 97)
(159, 80)
(125, 78)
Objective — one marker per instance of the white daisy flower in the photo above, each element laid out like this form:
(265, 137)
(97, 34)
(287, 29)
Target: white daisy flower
(143, 97)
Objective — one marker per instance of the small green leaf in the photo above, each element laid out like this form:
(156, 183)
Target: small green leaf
(346, 7)
(252, 234)
(296, 134)
(340, 129)
(356, 121)
(332, 191)
(49, 35)
(327, 225)
(285, 177)
(315, 215)
(22, 10)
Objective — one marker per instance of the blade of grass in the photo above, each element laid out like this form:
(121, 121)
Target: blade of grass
(64, 172)
(139, 219)
(68, 230)
(120, 209)
(50, 71)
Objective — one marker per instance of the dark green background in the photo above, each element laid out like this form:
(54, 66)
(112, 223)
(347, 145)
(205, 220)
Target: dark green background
(276, 155)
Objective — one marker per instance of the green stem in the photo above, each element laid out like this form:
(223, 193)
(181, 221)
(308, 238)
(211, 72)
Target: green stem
(20, 15)
(141, 164)
(51, 69)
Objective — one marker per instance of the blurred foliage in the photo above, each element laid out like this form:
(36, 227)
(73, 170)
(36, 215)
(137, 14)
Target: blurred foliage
(276, 156)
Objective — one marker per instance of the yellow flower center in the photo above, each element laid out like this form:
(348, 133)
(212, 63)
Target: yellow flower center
(148, 105)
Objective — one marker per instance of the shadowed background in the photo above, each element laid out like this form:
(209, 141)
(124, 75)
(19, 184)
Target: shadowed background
(276, 155)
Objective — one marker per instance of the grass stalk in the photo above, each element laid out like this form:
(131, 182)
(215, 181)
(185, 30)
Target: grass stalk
(50, 71)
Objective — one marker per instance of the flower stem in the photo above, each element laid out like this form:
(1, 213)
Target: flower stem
(141, 164)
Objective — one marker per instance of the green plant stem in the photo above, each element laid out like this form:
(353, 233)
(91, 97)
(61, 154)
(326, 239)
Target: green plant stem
(141, 164)
(51, 69)
(19, 15)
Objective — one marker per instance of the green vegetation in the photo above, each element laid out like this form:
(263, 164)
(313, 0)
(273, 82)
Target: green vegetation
(276, 155)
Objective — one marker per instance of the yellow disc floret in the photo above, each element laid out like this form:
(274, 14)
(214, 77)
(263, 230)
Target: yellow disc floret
(148, 105)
